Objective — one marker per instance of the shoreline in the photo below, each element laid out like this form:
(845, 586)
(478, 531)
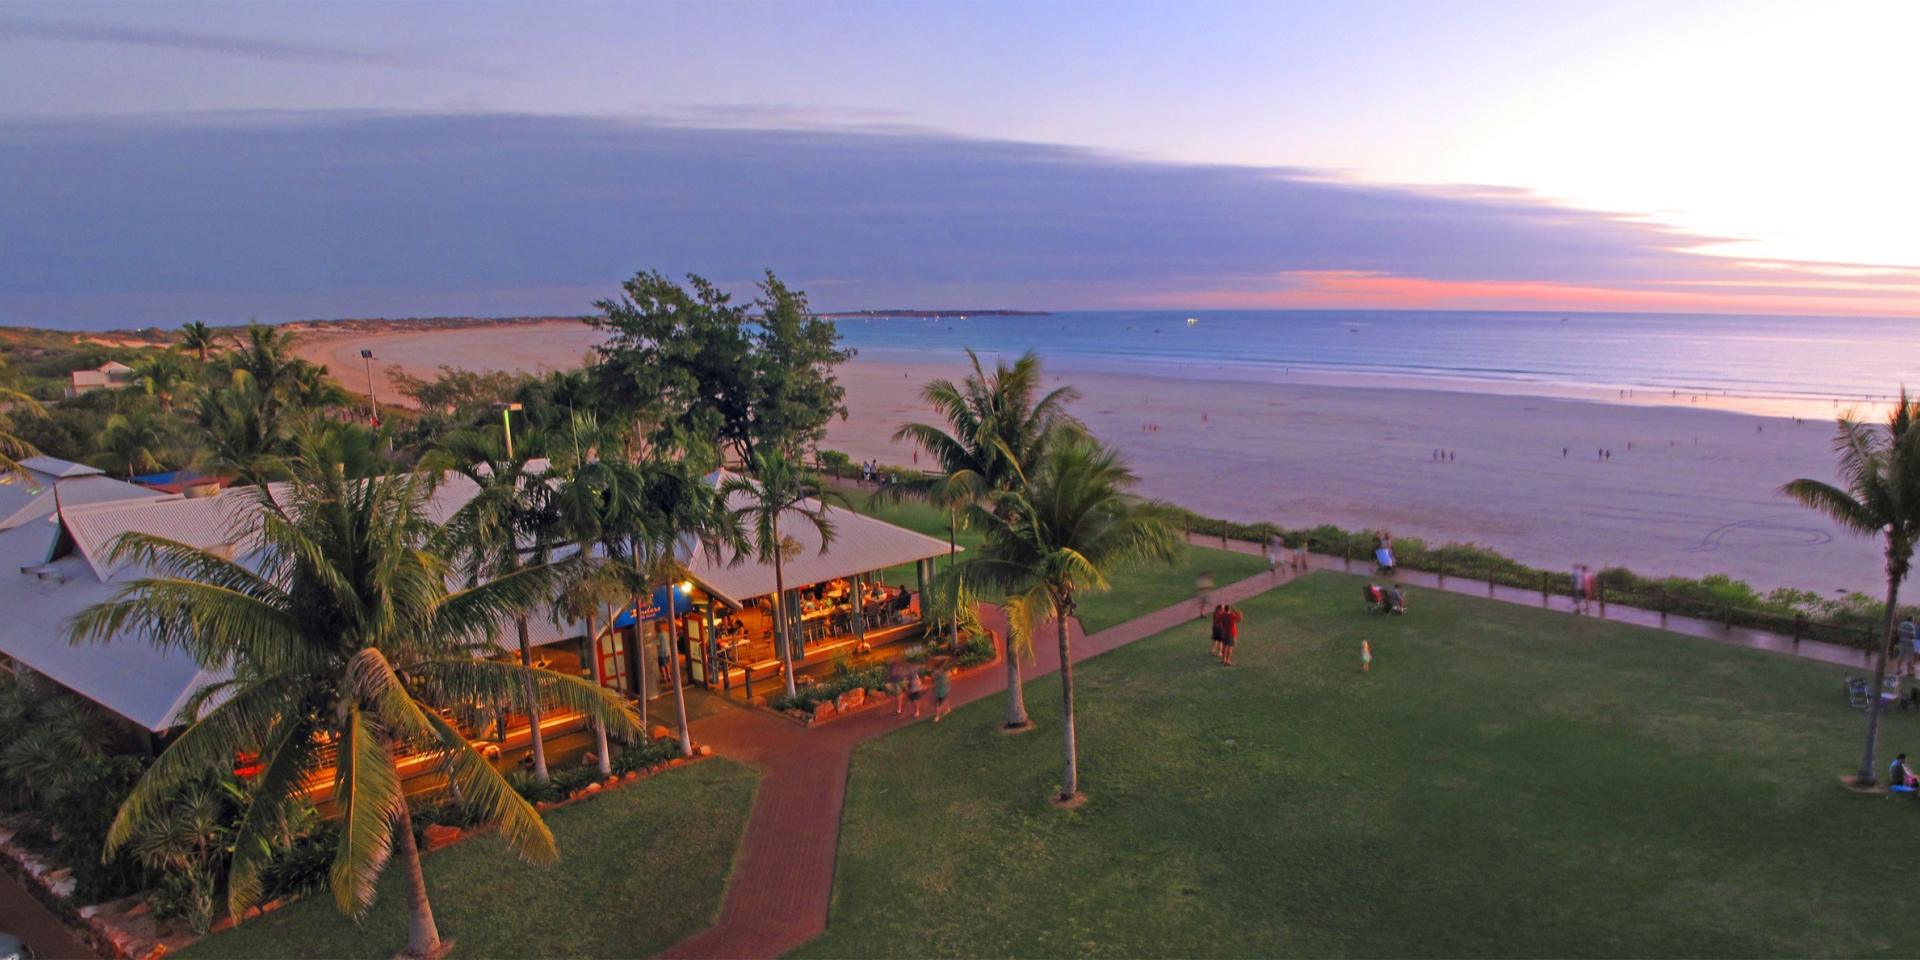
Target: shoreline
(1690, 489)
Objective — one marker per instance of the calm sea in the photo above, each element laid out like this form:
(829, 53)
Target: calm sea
(1801, 363)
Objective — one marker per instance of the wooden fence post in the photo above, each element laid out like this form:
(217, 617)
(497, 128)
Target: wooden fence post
(1544, 587)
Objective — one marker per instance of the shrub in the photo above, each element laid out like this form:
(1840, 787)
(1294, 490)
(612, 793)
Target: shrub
(975, 650)
(302, 866)
(646, 756)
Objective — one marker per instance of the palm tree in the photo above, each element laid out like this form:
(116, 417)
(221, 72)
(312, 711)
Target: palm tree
(780, 488)
(506, 526)
(678, 514)
(161, 376)
(993, 427)
(591, 586)
(12, 448)
(1879, 495)
(197, 337)
(337, 626)
(1063, 534)
(132, 443)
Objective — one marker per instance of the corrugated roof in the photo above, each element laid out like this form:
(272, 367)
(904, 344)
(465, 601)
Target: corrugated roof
(31, 497)
(861, 544)
(130, 676)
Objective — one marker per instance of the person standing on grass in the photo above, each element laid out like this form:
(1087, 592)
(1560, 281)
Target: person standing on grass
(1366, 657)
(1229, 634)
(915, 687)
(942, 687)
(1217, 611)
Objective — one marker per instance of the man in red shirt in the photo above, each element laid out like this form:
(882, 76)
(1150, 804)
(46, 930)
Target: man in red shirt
(1229, 632)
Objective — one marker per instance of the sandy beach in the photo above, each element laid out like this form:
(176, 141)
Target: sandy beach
(1687, 491)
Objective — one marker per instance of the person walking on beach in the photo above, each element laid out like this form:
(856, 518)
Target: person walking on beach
(1229, 634)
(942, 686)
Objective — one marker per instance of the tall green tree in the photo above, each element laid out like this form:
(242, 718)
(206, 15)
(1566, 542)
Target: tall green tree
(13, 401)
(995, 423)
(163, 376)
(198, 338)
(688, 362)
(1060, 535)
(133, 442)
(338, 627)
(509, 524)
(1878, 496)
(780, 491)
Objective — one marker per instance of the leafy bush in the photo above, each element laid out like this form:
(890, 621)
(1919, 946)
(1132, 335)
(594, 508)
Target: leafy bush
(646, 756)
(303, 866)
(843, 679)
(975, 650)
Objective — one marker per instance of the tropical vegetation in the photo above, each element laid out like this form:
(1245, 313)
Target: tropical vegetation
(1059, 535)
(996, 425)
(343, 640)
(1878, 496)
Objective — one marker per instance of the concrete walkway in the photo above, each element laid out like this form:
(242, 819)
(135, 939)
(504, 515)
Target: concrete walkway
(1690, 626)
(782, 884)
(27, 918)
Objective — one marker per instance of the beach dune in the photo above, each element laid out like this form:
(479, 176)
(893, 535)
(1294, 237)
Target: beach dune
(1686, 491)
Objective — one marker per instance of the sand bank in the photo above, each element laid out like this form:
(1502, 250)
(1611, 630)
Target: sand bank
(1687, 491)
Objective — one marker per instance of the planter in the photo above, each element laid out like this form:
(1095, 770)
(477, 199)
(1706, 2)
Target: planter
(439, 835)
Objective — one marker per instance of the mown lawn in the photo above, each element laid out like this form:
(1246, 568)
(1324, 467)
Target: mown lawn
(641, 869)
(1134, 593)
(1506, 782)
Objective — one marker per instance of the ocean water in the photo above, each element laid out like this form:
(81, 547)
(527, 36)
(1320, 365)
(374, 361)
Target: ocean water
(1777, 364)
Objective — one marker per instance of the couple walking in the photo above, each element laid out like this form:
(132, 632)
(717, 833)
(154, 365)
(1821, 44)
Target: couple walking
(1226, 631)
(909, 684)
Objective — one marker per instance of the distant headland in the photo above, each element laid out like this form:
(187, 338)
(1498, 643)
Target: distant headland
(928, 314)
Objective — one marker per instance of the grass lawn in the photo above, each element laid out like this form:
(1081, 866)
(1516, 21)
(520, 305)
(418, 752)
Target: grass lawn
(641, 869)
(1506, 782)
(1134, 593)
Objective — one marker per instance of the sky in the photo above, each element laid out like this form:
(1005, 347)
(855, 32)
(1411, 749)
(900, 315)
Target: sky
(164, 162)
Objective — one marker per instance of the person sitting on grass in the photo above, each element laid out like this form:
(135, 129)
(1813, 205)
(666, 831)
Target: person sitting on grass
(1375, 598)
(1394, 601)
(1899, 775)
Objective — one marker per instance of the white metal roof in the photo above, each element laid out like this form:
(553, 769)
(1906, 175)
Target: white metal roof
(129, 675)
(29, 497)
(861, 544)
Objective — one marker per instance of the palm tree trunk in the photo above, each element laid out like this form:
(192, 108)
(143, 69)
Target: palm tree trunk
(1070, 779)
(673, 668)
(781, 634)
(1017, 718)
(1879, 677)
(423, 937)
(953, 551)
(600, 680)
(533, 705)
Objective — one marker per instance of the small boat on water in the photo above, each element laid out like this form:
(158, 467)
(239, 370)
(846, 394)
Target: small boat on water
(1193, 321)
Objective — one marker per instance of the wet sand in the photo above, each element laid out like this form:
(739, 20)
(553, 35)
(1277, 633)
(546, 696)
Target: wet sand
(1694, 494)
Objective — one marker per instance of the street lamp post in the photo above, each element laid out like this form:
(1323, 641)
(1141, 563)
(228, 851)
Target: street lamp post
(506, 420)
(367, 357)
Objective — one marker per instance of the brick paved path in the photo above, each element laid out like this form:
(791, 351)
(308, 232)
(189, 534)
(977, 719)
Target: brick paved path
(783, 882)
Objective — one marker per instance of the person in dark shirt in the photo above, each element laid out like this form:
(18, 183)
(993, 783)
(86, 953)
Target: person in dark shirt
(1229, 634)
